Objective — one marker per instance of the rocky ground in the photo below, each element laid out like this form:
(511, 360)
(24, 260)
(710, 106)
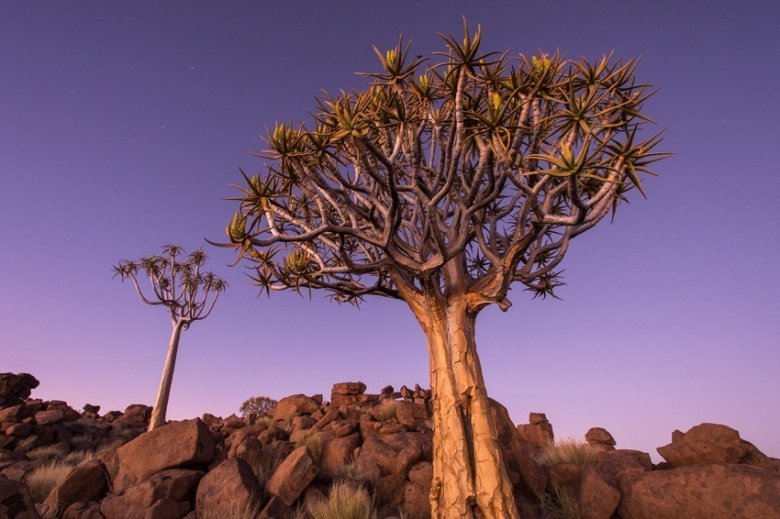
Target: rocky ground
(277, 466)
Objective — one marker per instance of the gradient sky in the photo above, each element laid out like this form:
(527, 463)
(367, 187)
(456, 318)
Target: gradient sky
(123, 124)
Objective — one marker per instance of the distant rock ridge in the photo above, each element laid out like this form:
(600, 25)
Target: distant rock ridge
(274, 466)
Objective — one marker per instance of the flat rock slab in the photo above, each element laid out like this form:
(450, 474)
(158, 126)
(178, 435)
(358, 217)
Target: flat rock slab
(177, 444)
(716, 491)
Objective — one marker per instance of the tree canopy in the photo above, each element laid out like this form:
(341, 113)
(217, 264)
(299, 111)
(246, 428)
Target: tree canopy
(498, 160)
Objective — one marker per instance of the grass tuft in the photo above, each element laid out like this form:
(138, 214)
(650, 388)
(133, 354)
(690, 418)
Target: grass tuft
(568, 451)
(43, 479)
(345, 501)
(47, 453)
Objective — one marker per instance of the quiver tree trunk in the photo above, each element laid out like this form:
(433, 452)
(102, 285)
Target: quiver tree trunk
(469, 476)
(164, 392)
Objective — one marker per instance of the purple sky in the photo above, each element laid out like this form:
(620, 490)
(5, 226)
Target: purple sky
(122, 125)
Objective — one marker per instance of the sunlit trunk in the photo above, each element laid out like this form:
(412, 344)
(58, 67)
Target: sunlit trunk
(469, 477)
(164, 393)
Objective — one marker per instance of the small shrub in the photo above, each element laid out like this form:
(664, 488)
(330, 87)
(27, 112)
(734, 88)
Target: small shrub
(344, 501)
(258, 406)
(44, 478)
(568, 451)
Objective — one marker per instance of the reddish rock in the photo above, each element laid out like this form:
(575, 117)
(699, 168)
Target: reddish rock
(348, 388)
(597, 498)
(15, 500)
(15, 388)
(563, 475)
(421, 474)
(173, 445)
(517, 455)
(711, 443)
(416, 504)
(275, 509)
(391, 453)
(537, 418)
(295, 405)
(336, 451)
(539, 435)
(14, 414)
(329, 416)
(49, 417)
(611, 465)
(20, 430)
(410, 414)
(600, 439)
(87, 482)
(292, 477)
(389, 492)
(227, 491)
(177, 485)
(137, 413)
(81, 510)
(701, 492)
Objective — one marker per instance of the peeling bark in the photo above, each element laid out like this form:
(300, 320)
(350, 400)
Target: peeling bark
(469, 477)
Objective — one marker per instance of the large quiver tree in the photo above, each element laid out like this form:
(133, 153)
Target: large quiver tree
(442, 185)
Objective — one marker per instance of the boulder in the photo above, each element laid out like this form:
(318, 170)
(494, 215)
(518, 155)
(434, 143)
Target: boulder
(597, 498)
(711, 443)
(336, 451)
(173, 445)
(275, 509)
(177, 485)
(564, 475)
(82, 510)
(292, 477)
(416, 504)
(49, 417)
(15, 499)
(15, 388)
(539, 435)
(386, 454)
(421, 474)
(349, 388)
(87, 482)
(600, 439)
(611, 465)
(230, 490)
(701, 492)
(295, 405)
(517, 455)
(346, 393)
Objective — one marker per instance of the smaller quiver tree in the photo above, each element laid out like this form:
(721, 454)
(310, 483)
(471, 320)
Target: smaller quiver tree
(189, 293)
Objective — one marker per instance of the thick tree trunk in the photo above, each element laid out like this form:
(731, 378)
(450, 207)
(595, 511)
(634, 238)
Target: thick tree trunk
(469, 477)
(164, 392)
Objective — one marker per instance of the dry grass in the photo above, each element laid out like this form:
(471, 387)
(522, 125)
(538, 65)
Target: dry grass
(562, 505)
(75, 457)
(234, 511)
(568, 451)
(313, 442)
(350, 473)
(44, 478)
(48, 453)
(344, 501)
